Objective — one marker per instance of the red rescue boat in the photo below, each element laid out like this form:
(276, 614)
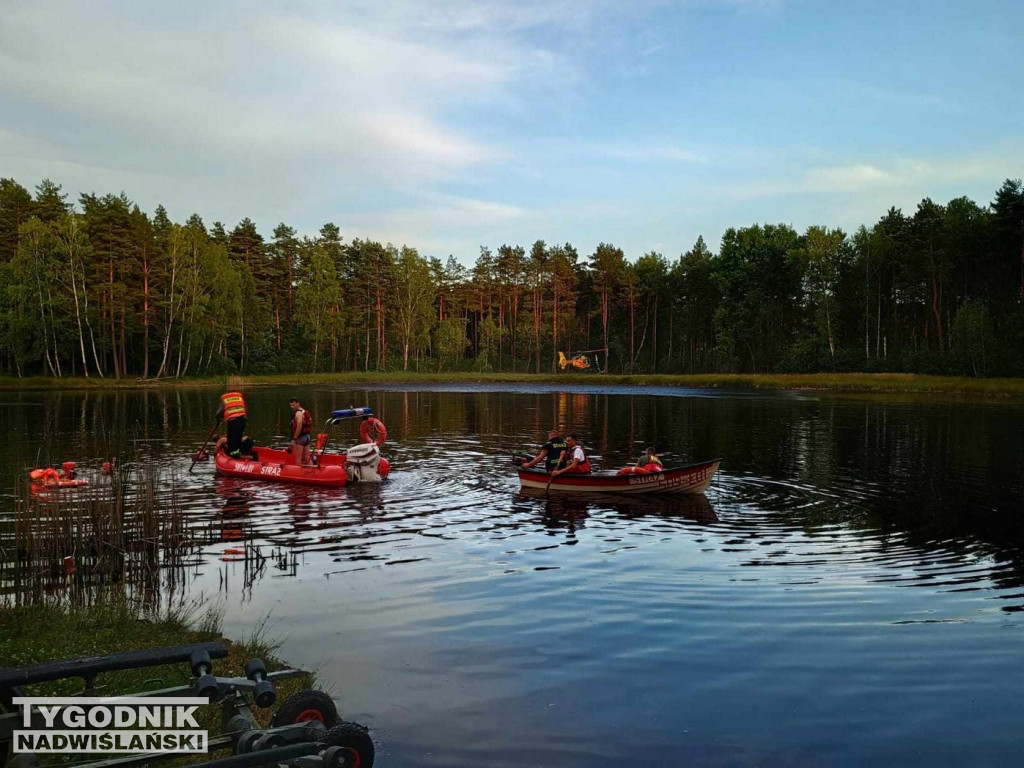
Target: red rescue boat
(361, 463)
(271, 464)
(692, 478)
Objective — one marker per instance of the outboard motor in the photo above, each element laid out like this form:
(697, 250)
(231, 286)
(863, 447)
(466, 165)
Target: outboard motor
(362, 463)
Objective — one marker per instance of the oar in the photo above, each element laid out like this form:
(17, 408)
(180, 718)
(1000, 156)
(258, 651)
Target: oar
(195, 456)
(548, 486)
(558, 464)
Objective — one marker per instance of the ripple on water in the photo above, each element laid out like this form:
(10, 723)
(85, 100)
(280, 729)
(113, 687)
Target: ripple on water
(802, 595)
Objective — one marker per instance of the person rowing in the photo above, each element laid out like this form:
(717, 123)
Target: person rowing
(578, 463)
(550, 453)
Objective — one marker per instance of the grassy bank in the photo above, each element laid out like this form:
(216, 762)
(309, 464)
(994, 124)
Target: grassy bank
(41, 633)
(839, 382)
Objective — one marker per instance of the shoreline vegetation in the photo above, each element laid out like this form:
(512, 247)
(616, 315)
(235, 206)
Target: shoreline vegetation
(39, 633)
(868, 383)
(98, 287)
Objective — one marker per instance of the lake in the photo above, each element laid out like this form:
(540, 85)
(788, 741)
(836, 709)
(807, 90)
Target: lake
(849, 591)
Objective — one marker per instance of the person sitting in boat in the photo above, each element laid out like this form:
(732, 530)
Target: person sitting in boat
(232, 411)
(650, 461)
(579, 464)
(550, 453)
(302, 430)
(647, 463)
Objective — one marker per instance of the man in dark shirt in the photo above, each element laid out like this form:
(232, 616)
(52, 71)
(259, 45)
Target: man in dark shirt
(550, 453)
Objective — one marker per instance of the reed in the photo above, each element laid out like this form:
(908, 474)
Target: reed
(128, 530)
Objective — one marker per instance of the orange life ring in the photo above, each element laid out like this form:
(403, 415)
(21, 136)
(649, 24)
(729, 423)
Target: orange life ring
(372, 430)
(633, 471)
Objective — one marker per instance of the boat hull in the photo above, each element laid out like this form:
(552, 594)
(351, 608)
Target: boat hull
(278, 467)
(693, 478)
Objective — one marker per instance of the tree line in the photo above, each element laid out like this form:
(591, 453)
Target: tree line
(102, 289)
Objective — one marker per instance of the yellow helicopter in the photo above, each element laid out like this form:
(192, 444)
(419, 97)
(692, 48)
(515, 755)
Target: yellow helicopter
(578, 363)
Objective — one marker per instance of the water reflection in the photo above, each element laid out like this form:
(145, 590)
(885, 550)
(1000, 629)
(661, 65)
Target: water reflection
(696, 507)
(841, 537)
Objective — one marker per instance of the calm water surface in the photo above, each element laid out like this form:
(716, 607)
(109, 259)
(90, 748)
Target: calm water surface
(848, 592)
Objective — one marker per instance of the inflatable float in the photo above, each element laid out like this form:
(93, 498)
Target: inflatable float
(44, 480)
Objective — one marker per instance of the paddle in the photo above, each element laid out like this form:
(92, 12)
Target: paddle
(552, 473)
(199, 451)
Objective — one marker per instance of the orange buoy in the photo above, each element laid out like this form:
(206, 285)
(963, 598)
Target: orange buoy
(372, 430)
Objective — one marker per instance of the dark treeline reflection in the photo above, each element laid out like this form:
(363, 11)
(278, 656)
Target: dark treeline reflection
(941, 473)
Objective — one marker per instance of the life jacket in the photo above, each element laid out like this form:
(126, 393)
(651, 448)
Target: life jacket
(653, 464)
(234, 405)
(307, 423)
(583, 467)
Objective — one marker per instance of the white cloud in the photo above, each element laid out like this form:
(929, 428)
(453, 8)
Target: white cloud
(846, 177)
(327, 102)
(436, 214)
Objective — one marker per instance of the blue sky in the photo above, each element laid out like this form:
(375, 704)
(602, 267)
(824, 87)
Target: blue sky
(451, 125)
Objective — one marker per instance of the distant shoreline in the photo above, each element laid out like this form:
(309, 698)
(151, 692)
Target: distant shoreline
(835, 382)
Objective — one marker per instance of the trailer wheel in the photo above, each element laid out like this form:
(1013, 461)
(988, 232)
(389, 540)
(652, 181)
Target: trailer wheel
(304, 706)
(356, 740)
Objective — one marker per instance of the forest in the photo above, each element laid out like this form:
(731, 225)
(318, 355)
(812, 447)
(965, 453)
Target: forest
(100, 288)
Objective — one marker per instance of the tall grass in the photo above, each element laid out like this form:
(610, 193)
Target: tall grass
(127, 530)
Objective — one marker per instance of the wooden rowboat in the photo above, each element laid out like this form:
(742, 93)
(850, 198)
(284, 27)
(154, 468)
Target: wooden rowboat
(692, 478)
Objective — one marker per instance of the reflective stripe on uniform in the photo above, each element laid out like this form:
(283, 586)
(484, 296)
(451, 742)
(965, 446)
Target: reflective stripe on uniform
(234, 405)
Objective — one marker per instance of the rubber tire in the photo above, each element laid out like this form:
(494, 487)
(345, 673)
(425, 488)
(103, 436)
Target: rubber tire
(356, 739)
(306, 705)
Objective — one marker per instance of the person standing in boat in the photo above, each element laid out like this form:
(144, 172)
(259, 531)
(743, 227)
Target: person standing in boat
(550, 453)
(302, 431)
(232, 411)
(578, 464)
